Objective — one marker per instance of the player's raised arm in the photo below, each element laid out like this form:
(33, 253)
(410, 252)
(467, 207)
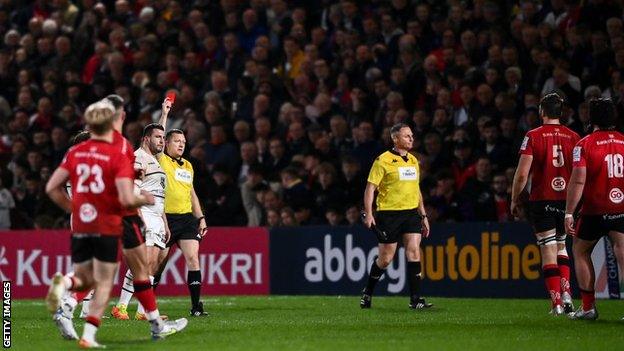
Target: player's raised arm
(166, 108)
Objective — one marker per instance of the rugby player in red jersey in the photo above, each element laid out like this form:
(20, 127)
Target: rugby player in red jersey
(102, 183)
(546, 154)
(597, 179)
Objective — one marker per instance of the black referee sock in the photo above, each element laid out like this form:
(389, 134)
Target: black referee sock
(413, 274)
(373, 277)
(193, 280)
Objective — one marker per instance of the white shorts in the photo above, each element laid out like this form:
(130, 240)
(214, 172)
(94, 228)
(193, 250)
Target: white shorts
(154, 229)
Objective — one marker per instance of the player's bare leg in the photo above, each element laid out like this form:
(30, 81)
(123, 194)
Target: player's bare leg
(563, 262)
(163, 257)
(190, 250)
(617, 241)
(411, 242)
(136, 258)
(585, 276)
(103, 275)
(547, 242)
(378, 267)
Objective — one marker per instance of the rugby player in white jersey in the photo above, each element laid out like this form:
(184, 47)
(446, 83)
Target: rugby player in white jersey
(156, 229)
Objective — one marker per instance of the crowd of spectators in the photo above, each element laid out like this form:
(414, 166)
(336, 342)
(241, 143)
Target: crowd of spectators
(286, 104)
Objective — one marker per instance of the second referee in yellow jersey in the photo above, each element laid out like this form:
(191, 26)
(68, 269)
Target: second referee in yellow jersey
(400, 214)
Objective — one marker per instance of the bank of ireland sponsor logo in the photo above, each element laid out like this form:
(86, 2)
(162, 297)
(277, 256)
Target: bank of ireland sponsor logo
(616, 195)
(558, 184)
(88, 213)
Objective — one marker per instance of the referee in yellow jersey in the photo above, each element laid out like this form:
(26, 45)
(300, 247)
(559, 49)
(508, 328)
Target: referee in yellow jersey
(400, 213)
(183, 211)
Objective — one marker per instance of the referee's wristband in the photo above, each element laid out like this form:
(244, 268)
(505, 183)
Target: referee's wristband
(423, 215)
(568, 215)
(200, 218)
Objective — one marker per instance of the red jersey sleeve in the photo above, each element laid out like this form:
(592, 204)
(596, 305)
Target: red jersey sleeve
(123, 168)
(527, 145)
(578, 155)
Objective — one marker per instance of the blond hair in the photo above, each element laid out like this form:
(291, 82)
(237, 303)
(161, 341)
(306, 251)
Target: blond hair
(99, 117)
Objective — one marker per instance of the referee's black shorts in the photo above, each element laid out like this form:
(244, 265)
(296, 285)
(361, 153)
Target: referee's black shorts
(182, 227)
(397, 223)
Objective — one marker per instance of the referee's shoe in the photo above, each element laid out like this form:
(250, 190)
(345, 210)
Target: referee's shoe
(419, 304)
(198, 311)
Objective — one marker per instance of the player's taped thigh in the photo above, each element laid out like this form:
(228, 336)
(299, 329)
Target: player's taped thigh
(546, 238)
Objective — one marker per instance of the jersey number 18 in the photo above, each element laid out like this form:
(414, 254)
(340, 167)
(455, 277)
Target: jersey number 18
(615, 165)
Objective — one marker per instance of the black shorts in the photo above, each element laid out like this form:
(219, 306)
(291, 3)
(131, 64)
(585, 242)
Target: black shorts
(594, 227)
(397, 223)
(133, 232)
(85, 247)
(182, 227)
(547, 215)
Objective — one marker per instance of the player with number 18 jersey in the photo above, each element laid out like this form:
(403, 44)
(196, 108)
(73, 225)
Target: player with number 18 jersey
(602, 155)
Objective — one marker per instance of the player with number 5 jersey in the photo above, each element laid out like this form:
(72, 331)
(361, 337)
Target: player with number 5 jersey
(545, 155)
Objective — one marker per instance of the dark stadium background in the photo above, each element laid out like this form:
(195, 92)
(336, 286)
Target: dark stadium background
(312, 86)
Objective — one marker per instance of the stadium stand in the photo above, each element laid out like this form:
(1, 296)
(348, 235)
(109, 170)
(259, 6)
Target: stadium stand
(285, 104)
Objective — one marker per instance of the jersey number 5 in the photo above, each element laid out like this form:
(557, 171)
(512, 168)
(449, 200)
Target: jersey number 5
(615, 165)
(558, 160)
(84, 172)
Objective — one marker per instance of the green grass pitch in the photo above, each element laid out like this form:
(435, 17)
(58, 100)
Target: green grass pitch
(337, 323)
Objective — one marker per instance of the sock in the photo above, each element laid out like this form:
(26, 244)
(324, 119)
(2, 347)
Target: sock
(373, 277)
(86, 302)
(145, 294)
(127, 289)
(564, 271)
(156, 279)
(68, 305)
(156, 323)
(81, 295)
(140, 308)
(413, 274)
(588, 298)
(90, 328)
(193, 280)
(553, 283)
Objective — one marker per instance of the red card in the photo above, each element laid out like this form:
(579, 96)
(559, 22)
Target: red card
(171, 96)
